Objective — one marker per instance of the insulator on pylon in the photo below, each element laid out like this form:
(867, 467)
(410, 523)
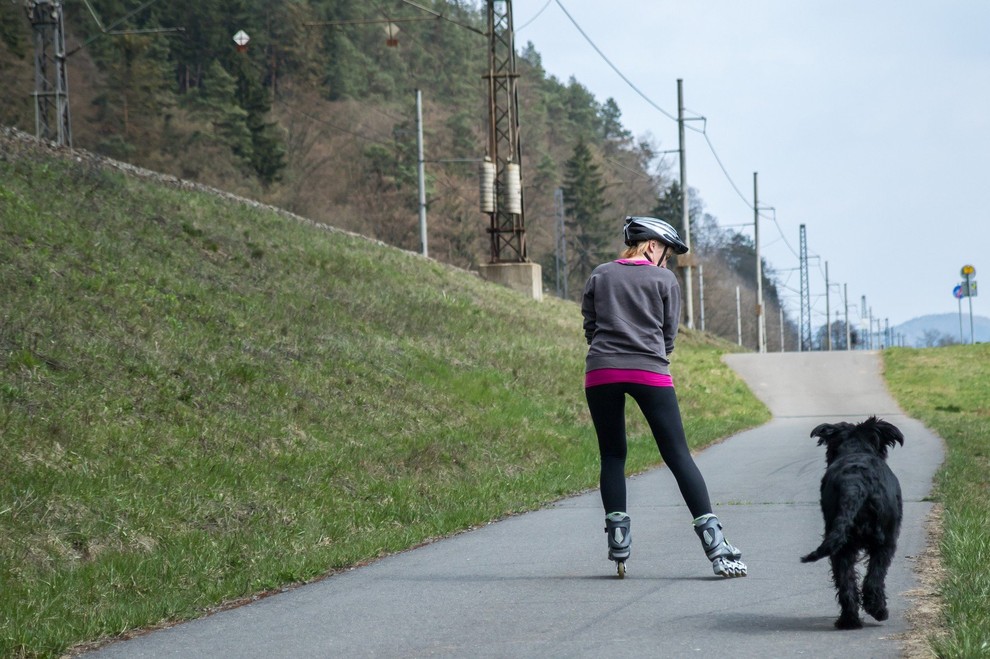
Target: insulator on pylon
(487, 186)
(513, 189)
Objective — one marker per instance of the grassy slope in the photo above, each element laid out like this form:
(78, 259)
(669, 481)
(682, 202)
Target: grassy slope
(200, 400)
(947, 389)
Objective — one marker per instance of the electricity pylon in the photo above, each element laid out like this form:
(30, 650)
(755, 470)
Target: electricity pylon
(507, 224)
(51, 86)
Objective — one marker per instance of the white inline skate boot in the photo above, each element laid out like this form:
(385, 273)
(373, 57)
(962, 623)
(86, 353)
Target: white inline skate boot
(619, 540)
(724, 557)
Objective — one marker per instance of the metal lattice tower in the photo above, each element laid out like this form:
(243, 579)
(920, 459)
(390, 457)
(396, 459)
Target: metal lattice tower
(805, 294)
(51, 87)
(507, 228)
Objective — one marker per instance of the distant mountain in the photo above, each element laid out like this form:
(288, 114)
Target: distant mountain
(930, 330)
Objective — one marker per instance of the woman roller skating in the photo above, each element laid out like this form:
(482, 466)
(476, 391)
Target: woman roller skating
(631, 308)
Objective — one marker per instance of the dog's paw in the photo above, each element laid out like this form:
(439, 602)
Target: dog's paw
(809, 558)
(848, 622)
(878, 610)
(879, 614)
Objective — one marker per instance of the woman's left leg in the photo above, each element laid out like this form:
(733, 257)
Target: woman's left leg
(607, 405)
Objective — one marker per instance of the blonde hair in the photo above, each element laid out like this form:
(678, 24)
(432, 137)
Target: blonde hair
(636, 250)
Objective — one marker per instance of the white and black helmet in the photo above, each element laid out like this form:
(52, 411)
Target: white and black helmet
(638, 229)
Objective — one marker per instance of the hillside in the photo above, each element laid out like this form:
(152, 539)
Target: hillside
(204, 399)
(936, 329)
(318, 116)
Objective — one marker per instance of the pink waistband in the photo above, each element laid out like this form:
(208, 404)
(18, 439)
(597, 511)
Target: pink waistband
(613, 375)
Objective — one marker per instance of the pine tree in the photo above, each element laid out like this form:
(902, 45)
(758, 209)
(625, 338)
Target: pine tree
(584, 202)
(614, 134)
(138, 93)
(669, 208)
(216, 102)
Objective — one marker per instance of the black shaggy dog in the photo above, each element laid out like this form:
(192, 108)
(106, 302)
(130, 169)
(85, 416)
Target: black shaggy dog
(861, 503)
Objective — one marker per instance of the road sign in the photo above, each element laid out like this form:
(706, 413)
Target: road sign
(968, 271)
(241, 39)
(965, 289)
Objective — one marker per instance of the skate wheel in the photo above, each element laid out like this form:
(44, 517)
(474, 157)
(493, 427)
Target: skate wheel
(620, 567)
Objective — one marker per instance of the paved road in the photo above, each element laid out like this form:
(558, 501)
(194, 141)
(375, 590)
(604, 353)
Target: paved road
(539, 585)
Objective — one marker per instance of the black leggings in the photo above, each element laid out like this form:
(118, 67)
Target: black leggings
(607, 404)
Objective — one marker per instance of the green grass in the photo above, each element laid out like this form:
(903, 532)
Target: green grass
(201, 400)
(947, 389)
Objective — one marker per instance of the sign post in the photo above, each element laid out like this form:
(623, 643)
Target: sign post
(958, 294)
(969, 290)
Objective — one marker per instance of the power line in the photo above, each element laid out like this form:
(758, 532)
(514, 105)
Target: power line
(637, 172)
(110, 29)
(711, 146)
(614, 68)
(703, 130)
(333, 126)
(542, 9)
(442, 17)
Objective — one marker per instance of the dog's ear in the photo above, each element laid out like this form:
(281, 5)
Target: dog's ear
(825, 432)
(888, 435)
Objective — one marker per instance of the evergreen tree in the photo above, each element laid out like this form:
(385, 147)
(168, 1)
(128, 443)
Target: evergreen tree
(582, 109)
(267, 155)
(669, 207)
(613, 132)
(137, 95)
(584, 202)
(216, 102)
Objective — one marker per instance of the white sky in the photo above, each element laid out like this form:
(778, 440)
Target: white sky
(868, 122)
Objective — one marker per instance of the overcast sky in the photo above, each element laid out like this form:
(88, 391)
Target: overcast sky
(868, 122)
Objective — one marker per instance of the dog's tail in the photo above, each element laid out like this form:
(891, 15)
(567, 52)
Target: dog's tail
(841, 526)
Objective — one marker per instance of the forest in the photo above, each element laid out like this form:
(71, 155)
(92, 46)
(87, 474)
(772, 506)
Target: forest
(317, 115)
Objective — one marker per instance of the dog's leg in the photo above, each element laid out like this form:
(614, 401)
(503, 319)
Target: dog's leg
(840, 519)
(847, 590)
(874, 597)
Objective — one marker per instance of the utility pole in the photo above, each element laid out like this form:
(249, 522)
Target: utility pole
(761, 340)
(701, 293)
(51, 87)
(685, 211)
(866, 340)
(738, 318)
(780, 311)
(561, 252)
(805, 340)
(422, 173)
(871, 328)
(828, 311)
(845, 304)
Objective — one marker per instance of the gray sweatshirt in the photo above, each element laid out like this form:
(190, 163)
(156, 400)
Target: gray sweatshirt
(631, 310)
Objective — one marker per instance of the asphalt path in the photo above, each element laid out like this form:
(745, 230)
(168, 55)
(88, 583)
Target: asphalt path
(540, 584)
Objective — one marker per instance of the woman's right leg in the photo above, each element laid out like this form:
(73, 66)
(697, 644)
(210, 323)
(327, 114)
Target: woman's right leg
(659, 406)
(607, 405)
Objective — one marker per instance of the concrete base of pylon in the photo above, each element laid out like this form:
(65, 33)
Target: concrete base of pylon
(527, 278)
